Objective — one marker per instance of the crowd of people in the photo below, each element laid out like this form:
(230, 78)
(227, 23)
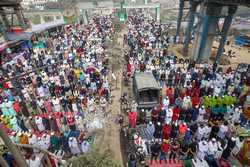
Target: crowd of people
(201, 110)
(64, 86)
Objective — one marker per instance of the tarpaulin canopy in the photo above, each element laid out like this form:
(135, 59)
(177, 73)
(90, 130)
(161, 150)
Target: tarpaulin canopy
(43, 27)
(146, 81)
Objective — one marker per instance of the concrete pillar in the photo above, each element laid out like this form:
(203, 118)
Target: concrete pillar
(4, 18)
(193, 6)
(226, 25)
(54, 18)
(145, 2)
(181, 7)
(85, 18)
(206, 32)
(19, 15)
(42, 21)
(2, 30)
(158, 14)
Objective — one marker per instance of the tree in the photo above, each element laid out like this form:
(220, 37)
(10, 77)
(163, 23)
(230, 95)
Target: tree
(94, 158)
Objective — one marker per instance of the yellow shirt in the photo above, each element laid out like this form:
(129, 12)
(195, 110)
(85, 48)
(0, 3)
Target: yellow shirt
(77, 72)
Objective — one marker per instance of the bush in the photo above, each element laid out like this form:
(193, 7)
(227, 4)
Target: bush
(94, 159)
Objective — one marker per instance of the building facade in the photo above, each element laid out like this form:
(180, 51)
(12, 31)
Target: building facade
(37, 4)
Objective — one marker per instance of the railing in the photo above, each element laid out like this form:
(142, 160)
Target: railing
(230, 2)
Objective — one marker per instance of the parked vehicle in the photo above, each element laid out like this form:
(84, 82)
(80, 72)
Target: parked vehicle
(146, 90)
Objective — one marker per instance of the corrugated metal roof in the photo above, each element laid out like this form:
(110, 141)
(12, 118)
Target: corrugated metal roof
(42, 27)
(105, 4)
(85, 5)
(146, 81)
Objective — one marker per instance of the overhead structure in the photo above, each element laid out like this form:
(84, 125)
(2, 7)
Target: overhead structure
(180, 15)
(145, 5)
(207, 27)
(15, 6)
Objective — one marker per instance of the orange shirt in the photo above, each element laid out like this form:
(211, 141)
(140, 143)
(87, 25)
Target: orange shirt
(24, 139)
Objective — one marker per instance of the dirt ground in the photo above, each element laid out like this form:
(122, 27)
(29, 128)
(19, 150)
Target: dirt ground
(109, 137)
(242, 53)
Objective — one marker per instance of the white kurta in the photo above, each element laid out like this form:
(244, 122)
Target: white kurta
(165, 103)
(168, 117)
(200, 133)
(207, 131)
(85, 146)
(46, 141)
(238, 146)
(212, 148)
(202, 112)
(79, 123)
(56, 104)
(202, 149)
(73, 145)
(34, 163)
(33, 140)
(39, 124)
(222, 131)
(74, 107)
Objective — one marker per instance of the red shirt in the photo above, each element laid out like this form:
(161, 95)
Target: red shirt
(165, 147)
(169, 92)
(188, 92)
(154, 114)
(195, 91)
(182, 128)
(57, 115)
(132, 116)
(166, 130)
(176, 112)
(45, 115)
(6, 85)
(70, 120)
(129, 68)
(16, 106)
(195, 101)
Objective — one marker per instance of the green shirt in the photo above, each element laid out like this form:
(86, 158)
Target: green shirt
(54, 141)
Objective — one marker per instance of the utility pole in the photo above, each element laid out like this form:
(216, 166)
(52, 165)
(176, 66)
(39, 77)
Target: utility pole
(13, 149)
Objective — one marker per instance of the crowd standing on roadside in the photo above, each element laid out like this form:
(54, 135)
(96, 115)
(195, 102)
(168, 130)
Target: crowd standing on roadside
(65, 87)
(201, 110)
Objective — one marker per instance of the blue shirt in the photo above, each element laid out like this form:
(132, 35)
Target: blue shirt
(187, 137)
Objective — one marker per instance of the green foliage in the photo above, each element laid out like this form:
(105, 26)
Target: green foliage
(94, 159)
